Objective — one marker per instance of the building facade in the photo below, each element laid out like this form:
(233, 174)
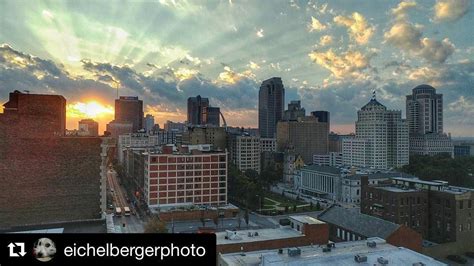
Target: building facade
(381, 139)
(245, 152)
(149, 123)
(89, 127)
(439, 212)
(294, 111)
(321, 181)
(331, 159)
(306, 137)
(129, 109)
(271, 102)
(175, 126)
(186, 177)
(197, 110)
(206, 135)
(214, 116)
(424, 109)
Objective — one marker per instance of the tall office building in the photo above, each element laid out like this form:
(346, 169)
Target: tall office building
(425, 119)
(89, 127)
(306, 137)
(381, 139)
(322, 116)
(149, 123)
(129, 109)
(424, 110)
(197, 110)
(271, 102)
(213, 116)
(294, 111)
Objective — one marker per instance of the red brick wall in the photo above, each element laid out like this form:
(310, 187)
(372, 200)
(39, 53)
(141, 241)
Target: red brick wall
(46, 180)
(316, 234)
(406, 237)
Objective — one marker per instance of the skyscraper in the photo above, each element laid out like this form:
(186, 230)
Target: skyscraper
(381, 139)
(213, 116)
(294, 111)
(129, 109)
(271, 102)
(149, 123)
(425, 119)
(197, 110)
(424, 110)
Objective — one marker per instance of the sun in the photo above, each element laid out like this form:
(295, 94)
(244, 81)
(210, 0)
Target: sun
(91, 109)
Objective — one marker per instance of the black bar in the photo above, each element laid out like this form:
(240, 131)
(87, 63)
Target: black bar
(165, 249)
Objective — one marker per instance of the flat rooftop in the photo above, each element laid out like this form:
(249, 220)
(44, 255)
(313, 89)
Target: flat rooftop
(306, 219)
(342, 254)
(263, 235)
(398, 189)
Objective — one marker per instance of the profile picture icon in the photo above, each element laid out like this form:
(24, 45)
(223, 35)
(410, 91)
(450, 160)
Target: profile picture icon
(44, 249)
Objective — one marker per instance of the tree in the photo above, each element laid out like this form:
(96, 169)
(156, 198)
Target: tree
(318, 206)
(155, 225)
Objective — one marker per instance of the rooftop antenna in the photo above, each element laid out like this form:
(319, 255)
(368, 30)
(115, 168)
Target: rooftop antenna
(373, 95)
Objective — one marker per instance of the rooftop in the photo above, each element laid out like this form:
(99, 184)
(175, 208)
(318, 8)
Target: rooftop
(322, 168)
(398, 189)
(363, 224)
(342, 254)
(378, 175)
(242, 236)
(306, 219)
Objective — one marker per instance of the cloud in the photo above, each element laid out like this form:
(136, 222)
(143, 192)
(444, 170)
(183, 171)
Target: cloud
(349, 64)
(253, 65)
(400, 12)
(325, 40)
(408, 37)
(316, 25)
(358, 28)
(450, 10)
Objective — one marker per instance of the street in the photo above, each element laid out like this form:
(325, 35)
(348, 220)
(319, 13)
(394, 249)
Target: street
(127, 224)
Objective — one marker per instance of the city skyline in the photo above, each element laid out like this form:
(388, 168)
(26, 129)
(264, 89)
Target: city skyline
(329, 56)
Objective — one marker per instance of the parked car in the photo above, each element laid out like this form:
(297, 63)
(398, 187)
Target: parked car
(457, 258)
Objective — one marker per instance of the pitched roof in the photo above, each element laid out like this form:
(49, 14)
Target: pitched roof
(362, 224)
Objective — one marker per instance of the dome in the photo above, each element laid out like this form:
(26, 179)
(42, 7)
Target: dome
(424, 88)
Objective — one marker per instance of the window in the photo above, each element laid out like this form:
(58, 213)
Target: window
(460, 228)
(469, 204)
(461, 204)
(448, 227)
(447, 203)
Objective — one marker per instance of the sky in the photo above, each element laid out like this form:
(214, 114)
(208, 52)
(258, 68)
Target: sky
(330, 55)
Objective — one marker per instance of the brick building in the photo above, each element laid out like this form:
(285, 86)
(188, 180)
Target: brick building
(441, 213)
(185, 177)
(351, 225)
(46, 177)
(304, 230)
(34, 115)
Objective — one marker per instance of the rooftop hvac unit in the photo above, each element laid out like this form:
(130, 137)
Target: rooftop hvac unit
(360, 258)
(293, 252)
(280, 251)
(372, 244)
(382, 260)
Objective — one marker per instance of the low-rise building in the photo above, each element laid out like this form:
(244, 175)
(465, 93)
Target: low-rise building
(303, 230)
(351, 225)
(441, 213)
(431, 144)
(321, 181)
(373, 251)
